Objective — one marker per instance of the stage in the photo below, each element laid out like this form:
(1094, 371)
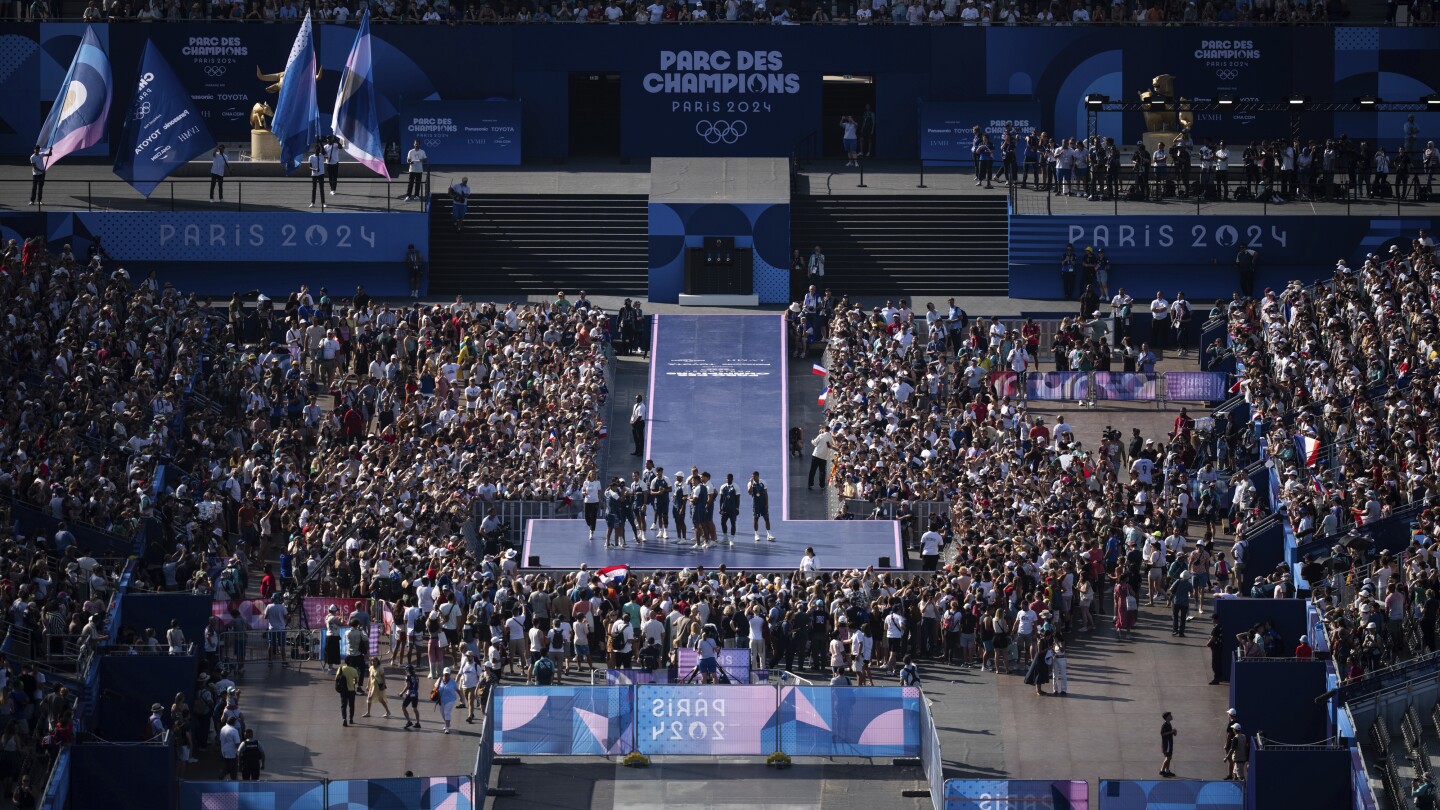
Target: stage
(717, 395)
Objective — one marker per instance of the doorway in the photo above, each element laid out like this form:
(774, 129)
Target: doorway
(595, 115)
(842, 94)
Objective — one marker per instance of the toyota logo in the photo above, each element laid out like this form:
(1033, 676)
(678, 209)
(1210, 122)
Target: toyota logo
(214, 71)
(1227, 74)
(717, 131)
(142, 110)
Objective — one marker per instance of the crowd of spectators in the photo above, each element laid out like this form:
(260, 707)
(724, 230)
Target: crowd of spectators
(1339, 377)
(863, 12)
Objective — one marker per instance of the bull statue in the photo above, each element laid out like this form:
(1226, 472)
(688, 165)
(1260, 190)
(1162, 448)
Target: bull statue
(260, 116)
(1171, 120)
(278, 79)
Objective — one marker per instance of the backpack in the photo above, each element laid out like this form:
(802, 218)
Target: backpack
(340, 683)
(544, 670)
(557, 639)
(617, 639)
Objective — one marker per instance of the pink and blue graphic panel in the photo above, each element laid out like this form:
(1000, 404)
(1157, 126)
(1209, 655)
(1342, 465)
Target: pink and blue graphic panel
(419, 793)
(564, 720)
(1171, 794)
(252, 796)
(705, 720)
(1032, 794)
(850, 721)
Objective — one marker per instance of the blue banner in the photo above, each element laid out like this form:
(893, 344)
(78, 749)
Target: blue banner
(1173, 794)
(850, 721)
(162, 129)
(946, 128)
(464, 133)
(253, 238)
(1196, 386)
(992, 794)
(705, 720)
(1197, 254)
(564, 720)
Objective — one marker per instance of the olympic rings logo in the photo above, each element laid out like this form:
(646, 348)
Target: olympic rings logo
(214, 71)
(718, 131)
(142, 110)
(1226, 74)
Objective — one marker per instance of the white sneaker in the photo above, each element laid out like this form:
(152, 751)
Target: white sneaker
(697, 545)
(652, 527)
(757, 537)
(312, 205)
(731, 541)
(770, 537)
(332, 194)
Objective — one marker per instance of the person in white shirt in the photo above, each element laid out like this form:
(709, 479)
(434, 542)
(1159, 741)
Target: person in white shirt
(590, 496)
(38, 164)
(930, 543)
(894, 637)
(657, 12)
(1160, 319)
(809, 566)
(637, 424)
(819, 457)
(218, 164)
(332, 163)
(416, 158)
(317, 176)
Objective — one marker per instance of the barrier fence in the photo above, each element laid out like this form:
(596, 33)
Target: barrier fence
(989, 794)
(406, 793)
(821, 721)
(1092, 386)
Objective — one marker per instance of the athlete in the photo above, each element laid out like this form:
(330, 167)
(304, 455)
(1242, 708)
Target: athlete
(729, 507)
(660, 499)
(759, 505)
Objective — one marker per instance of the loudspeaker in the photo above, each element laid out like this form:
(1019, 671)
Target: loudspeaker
(533, 561)
(884, 563)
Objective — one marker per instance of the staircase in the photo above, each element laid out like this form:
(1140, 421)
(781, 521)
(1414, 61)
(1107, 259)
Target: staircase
(888, 245)
(531, 244)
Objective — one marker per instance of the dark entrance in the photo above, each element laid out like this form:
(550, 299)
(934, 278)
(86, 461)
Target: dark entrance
(595, 115)
(842, 95)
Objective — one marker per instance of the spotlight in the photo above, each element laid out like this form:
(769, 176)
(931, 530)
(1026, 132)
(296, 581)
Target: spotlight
(1432, 101)
(1367, 100)
(1157, 103)
(1094, 102)
(1298, 101)
(1225, 99)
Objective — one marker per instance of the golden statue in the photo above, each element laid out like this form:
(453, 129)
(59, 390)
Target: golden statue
(260, 116)
(278, 79)
(1171, 120)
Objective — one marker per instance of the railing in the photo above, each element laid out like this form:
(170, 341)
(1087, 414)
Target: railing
(193, 194)
(847, 10)
(1030, 200)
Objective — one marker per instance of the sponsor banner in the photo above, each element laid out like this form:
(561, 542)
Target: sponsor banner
(1195, 386)
(162, 130)
(1127, 387)
(1056, 386)
(1005, 383)
(565, 720)
(252, 612)
(850, 721)
(464, 133)
(704, 720)
(947, 128)
(258, 237)
(991, 794)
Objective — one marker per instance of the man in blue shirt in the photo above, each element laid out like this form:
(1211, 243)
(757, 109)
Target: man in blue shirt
(759, 505)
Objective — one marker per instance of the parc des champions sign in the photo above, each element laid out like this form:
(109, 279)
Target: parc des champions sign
(709, 102)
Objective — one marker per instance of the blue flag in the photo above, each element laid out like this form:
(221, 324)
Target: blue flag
(163, 130)
(297, 116)
(77, 120)
(355, 121)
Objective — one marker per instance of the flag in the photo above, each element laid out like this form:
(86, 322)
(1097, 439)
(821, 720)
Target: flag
(163, 130)
(818, 370)
(77, 119)
(297, 118)
(355, 121)
(614, 574)
(1235, 389)
(823, 395)
(1404, 370)
(1319, 486)
(1309, 449)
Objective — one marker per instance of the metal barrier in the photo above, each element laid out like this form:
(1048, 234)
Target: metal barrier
(288, 648)
(192, 194)
(515, 514)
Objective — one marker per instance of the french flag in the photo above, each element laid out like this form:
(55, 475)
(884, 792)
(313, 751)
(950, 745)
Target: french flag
(1235, 389)
(818, 370)
(1308, 447)
(1404, 370)
(1319, 486)
(614, 574)
(823, 396)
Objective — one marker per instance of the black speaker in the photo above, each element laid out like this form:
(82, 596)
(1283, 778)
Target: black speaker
(533, 561)
(884, 562)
